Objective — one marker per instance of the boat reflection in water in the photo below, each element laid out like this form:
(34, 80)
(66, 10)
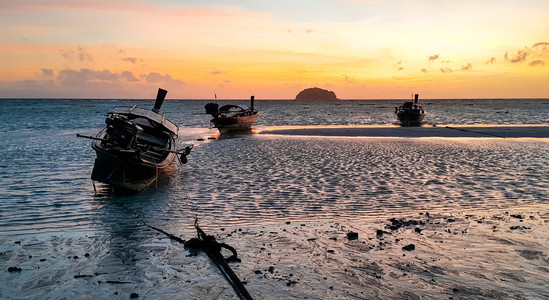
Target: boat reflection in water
(410, 113)
(232, 118)
(135, 146)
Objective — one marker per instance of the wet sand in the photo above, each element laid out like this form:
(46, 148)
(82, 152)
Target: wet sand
(450, 131)
(495, 254)
(458, 253)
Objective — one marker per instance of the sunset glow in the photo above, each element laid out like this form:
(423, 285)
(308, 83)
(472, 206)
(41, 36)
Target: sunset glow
(360, 49)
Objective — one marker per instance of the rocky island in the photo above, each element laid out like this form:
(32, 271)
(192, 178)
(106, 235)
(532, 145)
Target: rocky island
(316, 94)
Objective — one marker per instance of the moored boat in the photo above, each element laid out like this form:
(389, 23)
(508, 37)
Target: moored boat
(231, 118)
(410, 113)
(135, 146)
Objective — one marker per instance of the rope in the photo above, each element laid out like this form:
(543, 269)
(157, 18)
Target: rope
(212, 248)
(479, 132)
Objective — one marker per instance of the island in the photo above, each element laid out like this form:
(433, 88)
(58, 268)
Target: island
(316, 94)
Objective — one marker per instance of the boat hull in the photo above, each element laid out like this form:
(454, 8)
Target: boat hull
(127, 170)
(410, 117)
(232, 124)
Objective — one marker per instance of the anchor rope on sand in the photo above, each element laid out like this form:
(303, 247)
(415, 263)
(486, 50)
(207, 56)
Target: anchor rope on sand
(212, 248)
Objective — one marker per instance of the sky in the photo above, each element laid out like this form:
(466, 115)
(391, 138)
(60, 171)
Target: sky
(360, 49)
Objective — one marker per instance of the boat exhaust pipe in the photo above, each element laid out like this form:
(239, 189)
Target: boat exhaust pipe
(252, 103)
(415, 98)
(159, 99)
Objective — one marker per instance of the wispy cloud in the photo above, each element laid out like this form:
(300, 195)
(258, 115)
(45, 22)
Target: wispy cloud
(521, 55)
(80, 54)
(131, 60)
(537, 62)
(467, 67)
(490, 61)
(47, 73)
(446, 70)
(536, 51)
(432, 58)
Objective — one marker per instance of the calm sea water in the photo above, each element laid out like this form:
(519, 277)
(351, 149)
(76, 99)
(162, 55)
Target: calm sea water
(252, 179)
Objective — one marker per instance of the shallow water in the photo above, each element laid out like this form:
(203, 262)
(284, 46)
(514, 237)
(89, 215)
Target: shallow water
(250, 179)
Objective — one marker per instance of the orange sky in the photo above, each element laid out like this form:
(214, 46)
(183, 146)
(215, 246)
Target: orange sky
(360, 49)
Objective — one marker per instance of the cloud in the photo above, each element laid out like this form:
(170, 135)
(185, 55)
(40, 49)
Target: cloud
(128, 76)
(88, 83)
(47, 72)
(536, 63)
(81, 54)
(490, 61)
(85, 75)
(398, 66)
(446, 70)
(308, 31)
(467, 67)
(154, 77)
(348, 79)
(432, 58)
(423, 70)
(541, 44)
(537, 51)
(521, 55)
(217, 73)
(132, 60)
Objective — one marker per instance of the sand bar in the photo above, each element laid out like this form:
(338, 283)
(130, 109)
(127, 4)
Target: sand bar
(450, 131)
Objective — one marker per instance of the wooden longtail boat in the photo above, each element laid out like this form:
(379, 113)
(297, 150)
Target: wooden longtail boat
(135, 146)
(231, 118)
(410, 113)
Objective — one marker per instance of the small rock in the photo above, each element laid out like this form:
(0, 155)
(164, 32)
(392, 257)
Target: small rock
(417, 230)
(14, 269)
(134, 295)
(519, 227)
(271, 269)
(379, 233)
(410, 247)
(352, 236)
(258, 272)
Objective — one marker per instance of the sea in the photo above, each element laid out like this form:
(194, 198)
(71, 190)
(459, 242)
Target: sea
(450, 217)
(252, 178)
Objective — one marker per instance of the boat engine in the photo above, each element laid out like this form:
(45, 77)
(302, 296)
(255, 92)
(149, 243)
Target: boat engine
(120, 131)
(183, 155)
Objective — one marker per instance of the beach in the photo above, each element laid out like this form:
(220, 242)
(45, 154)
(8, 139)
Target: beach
(464, 255)
(315, 211)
